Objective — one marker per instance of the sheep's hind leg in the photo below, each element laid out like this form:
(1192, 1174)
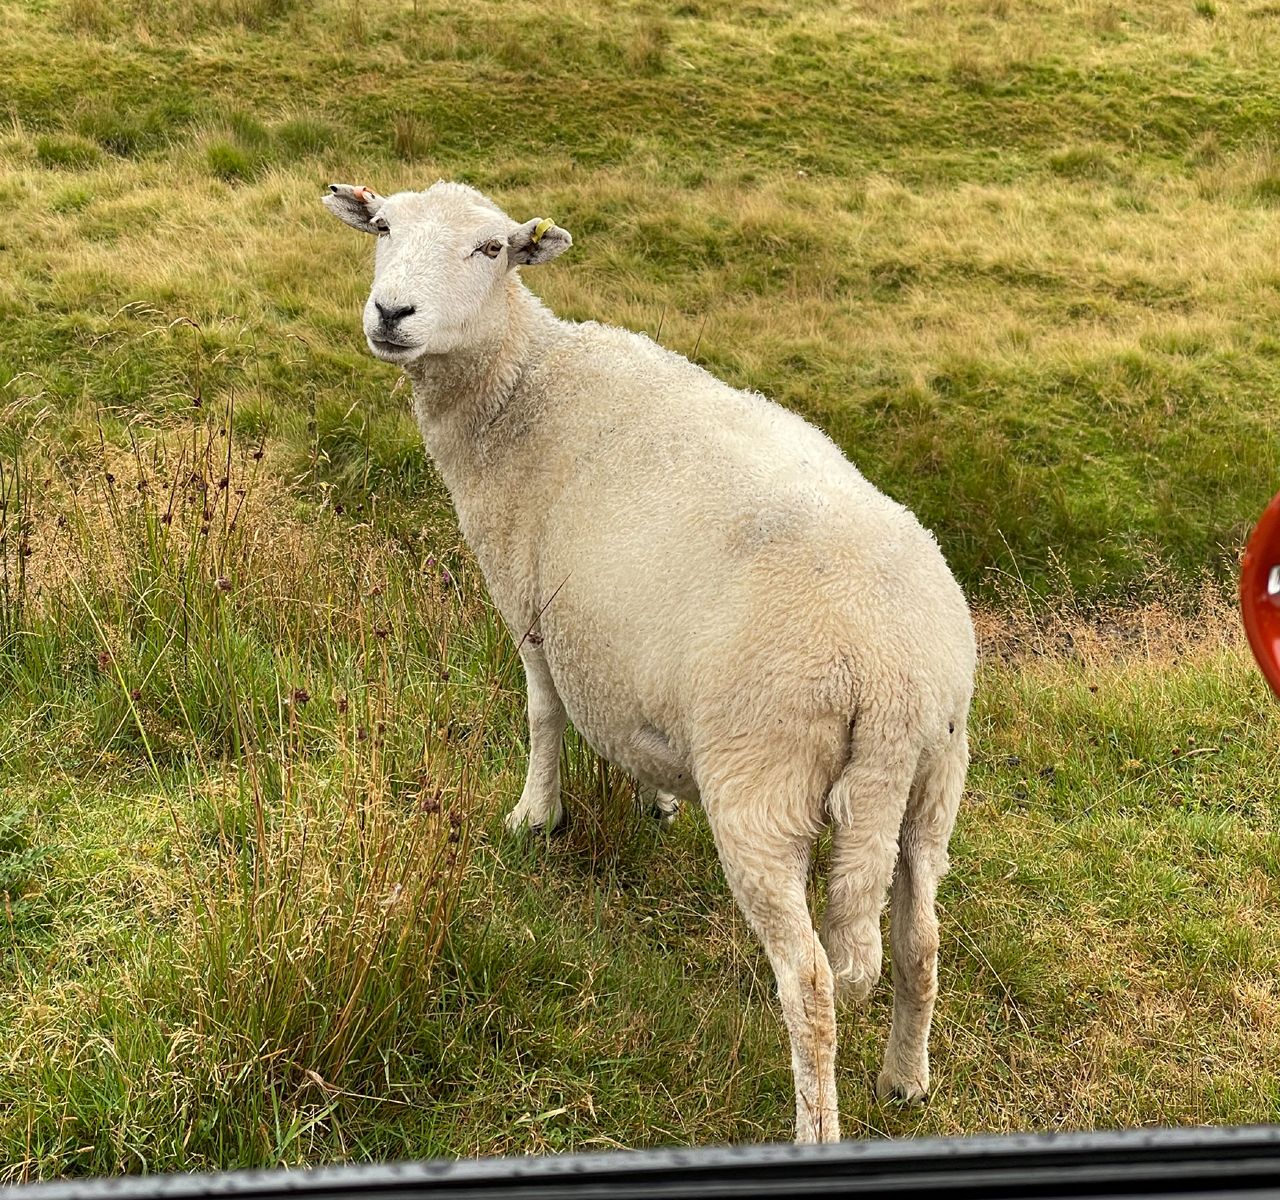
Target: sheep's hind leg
(539, 807)
(913, 929)
(766, 867)
(663, 807)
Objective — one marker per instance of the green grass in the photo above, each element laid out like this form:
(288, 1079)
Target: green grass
(239, 932)
(258, 724)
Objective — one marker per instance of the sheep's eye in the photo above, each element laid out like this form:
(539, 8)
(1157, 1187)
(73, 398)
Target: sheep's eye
(492, 248)
(380, 224)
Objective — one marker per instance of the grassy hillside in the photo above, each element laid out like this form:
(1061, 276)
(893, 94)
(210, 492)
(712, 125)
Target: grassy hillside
(1020, 261)
(258, 723)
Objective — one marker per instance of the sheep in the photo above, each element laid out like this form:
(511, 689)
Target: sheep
(713, 594)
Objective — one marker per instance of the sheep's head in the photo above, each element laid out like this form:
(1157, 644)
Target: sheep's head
(439, 279)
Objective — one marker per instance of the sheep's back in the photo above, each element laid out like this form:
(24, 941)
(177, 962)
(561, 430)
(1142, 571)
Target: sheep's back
(698, 533)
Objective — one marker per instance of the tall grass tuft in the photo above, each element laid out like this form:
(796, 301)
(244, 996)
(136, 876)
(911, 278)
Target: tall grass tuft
(321, 905)
(15, 548)
(280, 687)
(411, 137)
(155, 551)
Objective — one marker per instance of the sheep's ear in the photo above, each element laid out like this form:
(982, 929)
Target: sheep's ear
(353, 204)
(537, 241)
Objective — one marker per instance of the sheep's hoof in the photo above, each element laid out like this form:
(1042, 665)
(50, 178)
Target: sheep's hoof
(518, 822)
(664, 809)
(905, 1091)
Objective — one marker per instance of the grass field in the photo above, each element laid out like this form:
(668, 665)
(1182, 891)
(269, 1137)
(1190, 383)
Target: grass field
(258, 723)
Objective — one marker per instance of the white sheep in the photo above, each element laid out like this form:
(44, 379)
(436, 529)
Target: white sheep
(711, 592)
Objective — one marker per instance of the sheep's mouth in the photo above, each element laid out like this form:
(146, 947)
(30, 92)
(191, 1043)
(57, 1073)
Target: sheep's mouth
(389, 349)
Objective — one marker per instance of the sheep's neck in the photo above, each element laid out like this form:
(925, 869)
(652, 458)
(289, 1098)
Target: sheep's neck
(459, 397)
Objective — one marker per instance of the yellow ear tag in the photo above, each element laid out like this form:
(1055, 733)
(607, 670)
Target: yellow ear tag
(539, 229)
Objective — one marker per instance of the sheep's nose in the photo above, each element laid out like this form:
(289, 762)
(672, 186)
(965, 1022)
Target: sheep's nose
(391, 315)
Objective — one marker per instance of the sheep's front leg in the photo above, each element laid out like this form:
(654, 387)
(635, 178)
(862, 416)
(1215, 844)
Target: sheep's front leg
(540, 806)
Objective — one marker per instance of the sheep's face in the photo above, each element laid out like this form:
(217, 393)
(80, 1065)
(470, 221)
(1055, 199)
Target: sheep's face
(439, 279)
